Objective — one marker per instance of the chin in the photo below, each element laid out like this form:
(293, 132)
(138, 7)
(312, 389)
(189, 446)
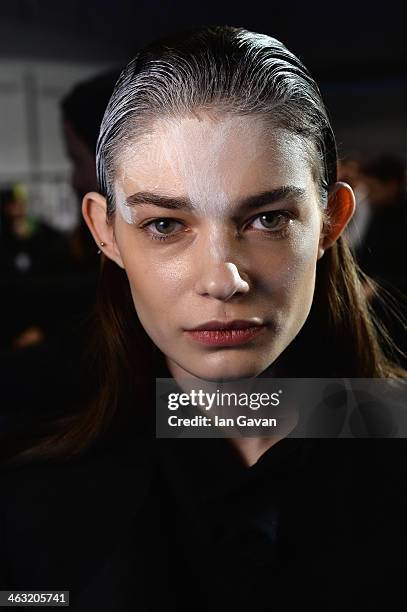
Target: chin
(229, 372)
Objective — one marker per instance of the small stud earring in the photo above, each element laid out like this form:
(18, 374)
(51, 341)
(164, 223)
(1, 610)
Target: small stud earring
(102, 244)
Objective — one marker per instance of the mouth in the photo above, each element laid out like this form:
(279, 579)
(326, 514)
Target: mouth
(216, 325)
(227, 333)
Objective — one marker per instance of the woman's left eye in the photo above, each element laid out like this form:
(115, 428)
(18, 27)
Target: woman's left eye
(272, 220)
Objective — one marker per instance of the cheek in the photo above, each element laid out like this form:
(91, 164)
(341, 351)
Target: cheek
(156, 280)
(301, 270)
(287, 268)
(155, 290)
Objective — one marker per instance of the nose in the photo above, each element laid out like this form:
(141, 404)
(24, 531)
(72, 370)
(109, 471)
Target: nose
(222, 280)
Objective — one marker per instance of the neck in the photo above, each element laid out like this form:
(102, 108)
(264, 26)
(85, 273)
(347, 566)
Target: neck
(249, 449)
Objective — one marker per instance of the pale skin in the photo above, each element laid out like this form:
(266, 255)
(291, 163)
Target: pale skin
(223, 260)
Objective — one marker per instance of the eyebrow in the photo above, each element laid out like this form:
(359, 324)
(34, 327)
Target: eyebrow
(147, 198)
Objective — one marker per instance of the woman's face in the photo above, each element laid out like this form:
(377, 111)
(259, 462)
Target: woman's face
(218, 219)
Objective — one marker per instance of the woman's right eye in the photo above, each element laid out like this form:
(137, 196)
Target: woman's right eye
(163, 227)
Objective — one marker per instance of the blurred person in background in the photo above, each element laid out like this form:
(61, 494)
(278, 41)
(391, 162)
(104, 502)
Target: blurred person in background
(82, 111)
(31, 252)
(53, 362)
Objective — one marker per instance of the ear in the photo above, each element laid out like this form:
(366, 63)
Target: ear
(94, 211)
(341, 206)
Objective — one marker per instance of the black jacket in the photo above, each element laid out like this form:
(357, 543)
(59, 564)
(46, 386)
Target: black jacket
(146, 524)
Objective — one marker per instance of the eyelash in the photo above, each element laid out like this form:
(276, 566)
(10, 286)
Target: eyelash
(279, 233)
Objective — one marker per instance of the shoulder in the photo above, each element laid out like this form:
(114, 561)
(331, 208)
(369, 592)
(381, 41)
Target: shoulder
(359, 485)
(348, 516)
(367, 480)
(370, 462)
(71, 511)
(95, 471)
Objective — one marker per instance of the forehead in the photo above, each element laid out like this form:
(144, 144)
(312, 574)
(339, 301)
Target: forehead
(203, 154)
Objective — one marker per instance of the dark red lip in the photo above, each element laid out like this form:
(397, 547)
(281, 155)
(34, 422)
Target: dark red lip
(226, 337)
(215, 325)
